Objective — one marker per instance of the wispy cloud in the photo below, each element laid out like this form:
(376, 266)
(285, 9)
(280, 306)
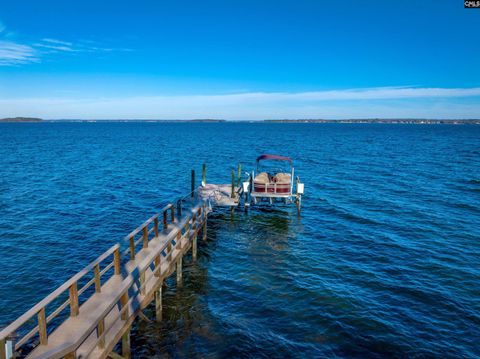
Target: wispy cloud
(14, 53)
(384, 102)
(57, 42)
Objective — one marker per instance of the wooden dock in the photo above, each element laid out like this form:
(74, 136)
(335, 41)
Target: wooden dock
(91, 313)
(87, 316)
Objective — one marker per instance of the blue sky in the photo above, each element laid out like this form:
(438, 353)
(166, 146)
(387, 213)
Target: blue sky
(239, 59)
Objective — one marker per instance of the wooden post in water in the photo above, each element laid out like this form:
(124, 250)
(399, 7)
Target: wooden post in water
(232, 195)
(179, 271)
(194, 246)
(193, 183)
(158, 303)
(204, 175)
(239, 175)
(298, 201)
(126, 344)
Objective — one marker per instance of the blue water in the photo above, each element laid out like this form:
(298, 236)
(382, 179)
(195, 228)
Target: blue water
(384, 262)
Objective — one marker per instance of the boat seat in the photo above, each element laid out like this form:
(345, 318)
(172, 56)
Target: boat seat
(282, 178)
(262, 178)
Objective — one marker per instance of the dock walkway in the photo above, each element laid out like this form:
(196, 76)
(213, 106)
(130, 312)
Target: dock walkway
(119, 285)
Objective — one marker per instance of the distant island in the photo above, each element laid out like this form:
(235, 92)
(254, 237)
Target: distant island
(380, 120)
(21, 119)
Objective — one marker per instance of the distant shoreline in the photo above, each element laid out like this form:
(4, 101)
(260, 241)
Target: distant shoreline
(21, 119)
(344, 121)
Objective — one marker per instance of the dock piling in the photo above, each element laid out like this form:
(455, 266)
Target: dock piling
(239, 175)
(126, 351)
(204, 175)
(204, 230)
(158, 303)
(232, 195)
(179, 271)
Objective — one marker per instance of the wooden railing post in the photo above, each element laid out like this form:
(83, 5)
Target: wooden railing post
(143, 288)
(179, 209)
(172, 209)
(98, 282)
(132, 248)
(155, 226)
(124, 301)
(100, 331)
(165, 221)
(145, 236)
(42, 327)
(204, 175)
(178, 238)
(3, 350)
(116, 261)
(73, 293)
(157, 266)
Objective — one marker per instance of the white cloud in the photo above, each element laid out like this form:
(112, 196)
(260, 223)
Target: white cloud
(57, 42)
(55, 47)
(352, 103)
(12, 53)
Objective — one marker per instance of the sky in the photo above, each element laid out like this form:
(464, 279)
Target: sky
(239, 60)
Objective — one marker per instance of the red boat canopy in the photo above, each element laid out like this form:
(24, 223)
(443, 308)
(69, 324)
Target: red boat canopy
(274, 157)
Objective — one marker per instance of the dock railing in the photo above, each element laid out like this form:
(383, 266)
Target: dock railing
(134, 276)
(38, 314)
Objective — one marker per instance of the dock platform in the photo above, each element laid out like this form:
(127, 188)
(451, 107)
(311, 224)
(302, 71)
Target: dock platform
(220, 194)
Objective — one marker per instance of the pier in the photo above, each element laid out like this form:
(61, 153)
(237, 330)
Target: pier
(91, 314)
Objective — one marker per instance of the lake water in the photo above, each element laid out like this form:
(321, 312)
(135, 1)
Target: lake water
(384, 262)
